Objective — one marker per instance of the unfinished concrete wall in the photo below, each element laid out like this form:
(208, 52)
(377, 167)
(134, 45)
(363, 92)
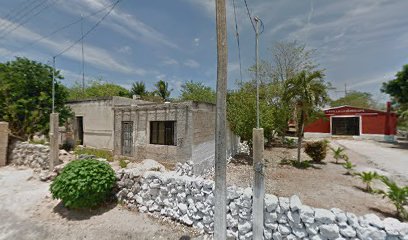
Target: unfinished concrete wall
(4, 131)
(141, 117)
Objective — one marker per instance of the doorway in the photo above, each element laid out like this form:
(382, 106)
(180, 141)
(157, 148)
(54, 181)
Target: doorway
(79, 133)
(127, 138)
(346, 126)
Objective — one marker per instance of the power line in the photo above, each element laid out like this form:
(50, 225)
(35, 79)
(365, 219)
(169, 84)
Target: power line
(90, 30)
(237, 37)
(11, 12)
(249, 15)
(63, 28)
(7, 31)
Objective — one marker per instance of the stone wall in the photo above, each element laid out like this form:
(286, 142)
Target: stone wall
(4, 131)
(32, 155)
(190, 200)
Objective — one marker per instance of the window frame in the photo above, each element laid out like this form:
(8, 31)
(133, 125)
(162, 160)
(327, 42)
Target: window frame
(155, 133)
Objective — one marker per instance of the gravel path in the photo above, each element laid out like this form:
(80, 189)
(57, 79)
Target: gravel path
(28, 212)
(387, 158)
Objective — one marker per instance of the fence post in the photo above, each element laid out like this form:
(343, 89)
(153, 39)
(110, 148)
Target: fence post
(4, 131)
(54, 147)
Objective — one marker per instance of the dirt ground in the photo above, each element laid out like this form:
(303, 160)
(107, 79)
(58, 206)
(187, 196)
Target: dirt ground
(28, 212)
(323, 186)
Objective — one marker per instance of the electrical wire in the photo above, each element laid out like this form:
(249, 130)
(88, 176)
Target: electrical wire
(89, 31)
(25, 19)
(63, 28)
(237, 37)
(11, 12)
(249, 15)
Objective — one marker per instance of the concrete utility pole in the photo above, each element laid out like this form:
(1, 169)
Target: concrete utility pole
(53, 84)
(83, 57)
(220, 212)
(258, 162)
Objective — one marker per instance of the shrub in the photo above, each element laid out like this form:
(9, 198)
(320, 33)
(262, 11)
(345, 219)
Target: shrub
(339, 154)
(98, 153)
(368, 178)
(349, 167)
(122, 163)
(316, 150)
(397, 195)
(83, 183)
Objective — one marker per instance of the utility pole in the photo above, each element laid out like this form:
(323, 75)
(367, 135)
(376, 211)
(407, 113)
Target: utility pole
(258, 162)
(220, 211)
(83, 57)
(345, 89)
(53, 84)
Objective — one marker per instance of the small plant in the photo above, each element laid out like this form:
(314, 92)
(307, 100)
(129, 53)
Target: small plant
(316, 150)
(339, 154)
(98, 153)
(122, 163)
(83, 183)
(348, 165)
(368, 178)
(289, 142)
(397, 195)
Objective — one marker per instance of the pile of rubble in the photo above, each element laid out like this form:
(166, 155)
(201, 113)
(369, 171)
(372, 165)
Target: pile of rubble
(33, 155)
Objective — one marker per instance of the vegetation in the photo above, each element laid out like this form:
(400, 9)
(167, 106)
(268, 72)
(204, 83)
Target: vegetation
(122, 163)
(98, 153)
(300, 165)
(68, 145)
(397, 195)
(338, 153)
(316, 150)
(348, 165)
(83, 183)
(95, 89)
(398, 90)
(138, 88)
(368, 178)
(162, 90)
(26, 96)
(197, 92)
(356, 99)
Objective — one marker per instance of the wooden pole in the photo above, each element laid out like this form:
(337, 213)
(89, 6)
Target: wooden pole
(220, 212)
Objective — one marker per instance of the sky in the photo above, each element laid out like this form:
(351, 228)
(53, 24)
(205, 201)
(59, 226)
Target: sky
(359, 43)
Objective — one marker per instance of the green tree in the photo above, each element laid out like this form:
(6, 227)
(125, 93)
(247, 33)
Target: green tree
(356, 99)
(308, 93)
(162, 90)
(97, 88)
(398, 90)
(138, 88)
(26, 96)
(197, 92)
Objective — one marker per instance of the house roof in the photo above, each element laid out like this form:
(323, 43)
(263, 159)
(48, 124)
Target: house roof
(356, 108)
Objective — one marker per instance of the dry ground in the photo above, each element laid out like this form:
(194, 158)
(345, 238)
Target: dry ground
(324, 186)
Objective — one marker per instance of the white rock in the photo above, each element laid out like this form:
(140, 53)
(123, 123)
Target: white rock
(285, 230)
(277, 236)
(348, 232)
(185, 219)
(324, 216)
(307, 214)
(244, 227)
(299, 232)
(271, 202)
(374, 220)
(371, 233)
(284, 203)
(312, 228)
(294, 217)
(352, 219)
(295, 203)
(329, 231)
(232, 193)
(270, 217)
(232, 221)
(392, 226)
(267, 234)
(182, 207)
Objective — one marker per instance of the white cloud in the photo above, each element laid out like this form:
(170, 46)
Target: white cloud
(119, 21)
(169, 61)
(95, 56)
(125, 49)
(374, 80)
(191, 63)
(196, 42)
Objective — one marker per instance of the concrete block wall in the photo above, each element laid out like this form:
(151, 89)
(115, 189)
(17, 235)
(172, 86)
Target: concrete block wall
(4, 131)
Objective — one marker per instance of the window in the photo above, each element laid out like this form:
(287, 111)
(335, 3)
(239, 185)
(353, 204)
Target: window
(162, 132)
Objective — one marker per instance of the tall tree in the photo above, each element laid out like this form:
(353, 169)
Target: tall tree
(162, 89)
(398, 90)
(197, 92)
(138, 88)
(308, 92)
(356, 99)
(97, 88)
(26, 97)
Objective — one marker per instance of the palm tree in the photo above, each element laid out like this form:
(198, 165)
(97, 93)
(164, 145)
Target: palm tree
(162, 89)
(339, 154)
(138, 88)
(368, 178)
(307, 92)
(348, 166)
(397, 195)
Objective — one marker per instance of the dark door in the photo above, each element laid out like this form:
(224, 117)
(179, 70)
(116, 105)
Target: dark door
(127, 138)
(346, 126)
(80, 130)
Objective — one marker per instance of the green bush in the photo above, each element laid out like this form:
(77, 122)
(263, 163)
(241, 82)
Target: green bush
(316, 150)
(98, 153)
(83, 183)
(122, 163)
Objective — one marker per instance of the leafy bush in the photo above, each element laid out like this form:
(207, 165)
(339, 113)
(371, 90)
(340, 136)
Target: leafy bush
(122, 163)
(316, 150)
(83, 183)
(339, 154)
(397, 195)
(289, 142)
(98, 153)
(349, 167)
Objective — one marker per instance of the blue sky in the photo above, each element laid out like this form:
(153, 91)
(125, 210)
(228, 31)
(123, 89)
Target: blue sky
(361, 43)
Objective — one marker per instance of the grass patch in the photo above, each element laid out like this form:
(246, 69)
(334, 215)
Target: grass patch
(98, 153)
(122, 163)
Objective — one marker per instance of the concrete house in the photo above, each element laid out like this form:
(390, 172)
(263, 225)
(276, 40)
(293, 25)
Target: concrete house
(176, 132)
(137, 129)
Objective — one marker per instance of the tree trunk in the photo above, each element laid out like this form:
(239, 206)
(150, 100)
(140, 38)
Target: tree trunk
(300, 134)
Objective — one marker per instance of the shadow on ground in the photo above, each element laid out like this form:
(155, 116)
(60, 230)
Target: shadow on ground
(81, 214)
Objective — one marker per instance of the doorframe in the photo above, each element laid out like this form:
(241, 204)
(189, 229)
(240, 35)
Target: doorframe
(360, 125)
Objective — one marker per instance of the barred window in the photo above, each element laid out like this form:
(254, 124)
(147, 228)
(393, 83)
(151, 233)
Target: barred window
(162, 132)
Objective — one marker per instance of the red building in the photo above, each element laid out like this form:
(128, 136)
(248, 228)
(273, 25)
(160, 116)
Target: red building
(352, 121)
